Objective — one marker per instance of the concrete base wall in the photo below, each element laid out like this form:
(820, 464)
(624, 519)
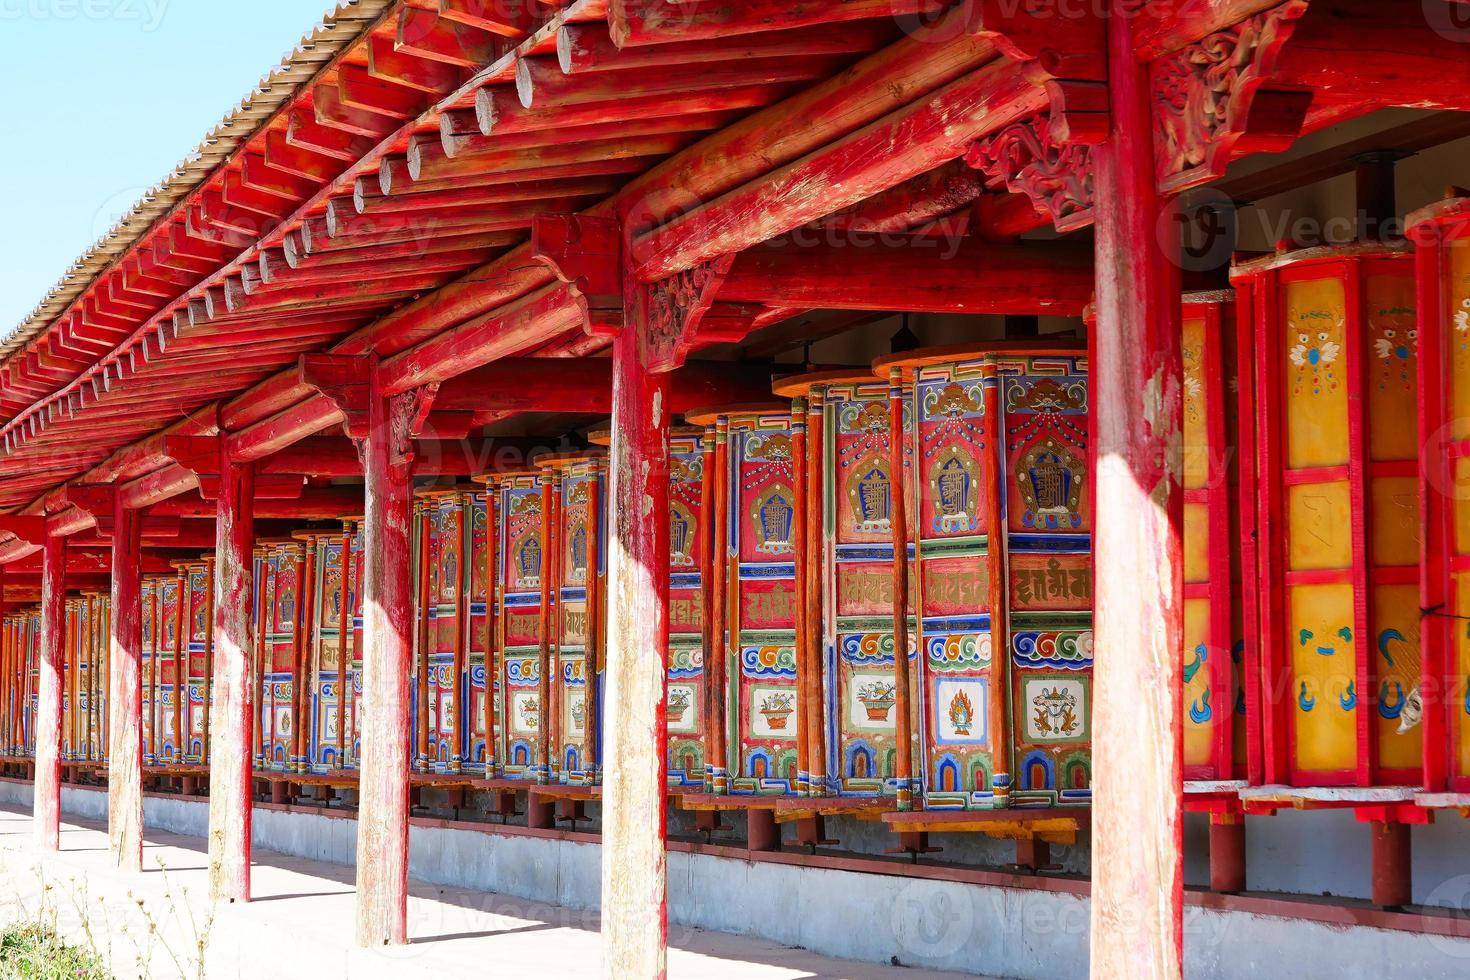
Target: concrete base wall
(1013, 932)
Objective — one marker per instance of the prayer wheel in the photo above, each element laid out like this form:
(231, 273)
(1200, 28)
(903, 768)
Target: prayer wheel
(1001, 486)
(192, 717)
(317, 673)
(71, 711)
(847, 593)
(1441, 233)
(1338, 518)
(515, 609)
(573, 489)
(162, 659)
(96, 624)
(1217, 531)
(446, 631)
(281, 570)
(756, 731)
(691, 459)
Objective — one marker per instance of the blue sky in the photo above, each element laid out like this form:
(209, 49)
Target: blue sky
(99, 99)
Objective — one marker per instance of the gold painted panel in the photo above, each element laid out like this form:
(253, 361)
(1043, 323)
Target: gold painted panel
(1315, 373)
(1461, 676)
(1319, 526)
(1459, 492)
(1197, 693)
(1394, 534)
(1396, 661)
(1324, 691)
(1391, 377)
(1196, 407)
(1458, 336)
(1196, 542)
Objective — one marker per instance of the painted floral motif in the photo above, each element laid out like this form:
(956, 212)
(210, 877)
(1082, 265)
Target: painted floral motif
(1462, 316)
(878, 698)
(778, 708)
(1314, 350)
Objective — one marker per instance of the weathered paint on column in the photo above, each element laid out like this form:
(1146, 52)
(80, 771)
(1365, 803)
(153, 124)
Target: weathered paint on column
(634, 923)
(46, 814)
(382, 841)
(1137, 890)
(125, 697)
(232, 694)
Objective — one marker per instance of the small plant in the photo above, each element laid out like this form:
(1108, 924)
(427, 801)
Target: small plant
(35, 952)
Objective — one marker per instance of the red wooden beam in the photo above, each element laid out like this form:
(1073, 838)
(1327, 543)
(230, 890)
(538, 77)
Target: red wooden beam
(582, 48)
(934, 131)
(858, 271)
(635, 22)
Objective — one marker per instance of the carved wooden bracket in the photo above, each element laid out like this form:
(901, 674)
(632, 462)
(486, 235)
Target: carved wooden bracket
(586, 254)
(345, 380)
(1028, 158)
(675, 308)
(1211, 99)
(407, 414)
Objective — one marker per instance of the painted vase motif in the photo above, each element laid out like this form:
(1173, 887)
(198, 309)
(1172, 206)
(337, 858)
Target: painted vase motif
(778, 709)
(878, 698)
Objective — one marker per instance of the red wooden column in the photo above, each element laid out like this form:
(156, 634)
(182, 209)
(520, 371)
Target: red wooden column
(387, 641)
(1137, 886)
(634, 924)
(125, 697)
(47, 809)
(229, 737)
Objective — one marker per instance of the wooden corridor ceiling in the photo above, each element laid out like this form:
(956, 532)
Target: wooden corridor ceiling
(386, 205)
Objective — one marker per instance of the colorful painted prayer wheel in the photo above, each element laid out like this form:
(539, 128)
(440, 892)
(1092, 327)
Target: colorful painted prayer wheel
(847, 593)
(1336, 352)
(162, 665)
(281, 569)
(758, 729)
(326, 610)
(1442, 235)
(1221, 668)
(572, 609)
(441, 641)
(192, 716)
(691, 459)
(518, 548)
(95, 630)
(1001, 484)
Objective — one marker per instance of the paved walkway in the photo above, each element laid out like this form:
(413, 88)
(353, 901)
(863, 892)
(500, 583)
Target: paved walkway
(300, 924)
